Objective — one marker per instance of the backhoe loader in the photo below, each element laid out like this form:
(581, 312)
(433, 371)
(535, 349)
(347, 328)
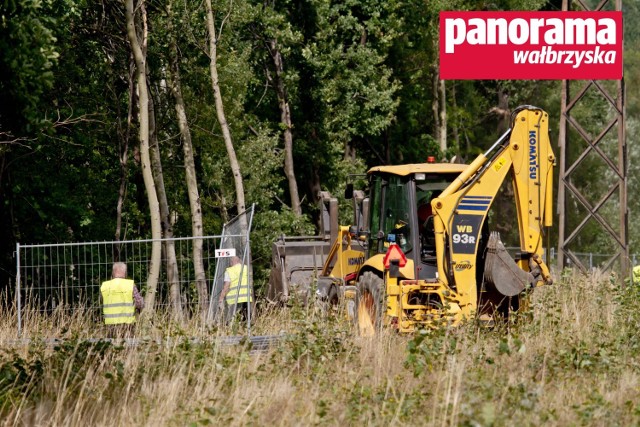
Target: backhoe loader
(420, 247)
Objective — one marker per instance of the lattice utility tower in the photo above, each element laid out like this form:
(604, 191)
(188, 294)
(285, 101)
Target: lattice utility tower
(593, 144)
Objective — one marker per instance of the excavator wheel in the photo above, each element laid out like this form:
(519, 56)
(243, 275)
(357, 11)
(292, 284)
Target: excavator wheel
(369, 304)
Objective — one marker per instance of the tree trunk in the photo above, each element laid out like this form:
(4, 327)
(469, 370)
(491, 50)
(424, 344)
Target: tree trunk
(504, 114)
(435, 109)
(173, 78)
(314, 188)
(456, 126)
(349, 151)
(439, 108)
(171, 264)
(442, 89)
(285, 119)
(226, 133)
(143, 100)
(124, 154)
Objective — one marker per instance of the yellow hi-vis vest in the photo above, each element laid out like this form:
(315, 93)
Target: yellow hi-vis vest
(117, 301)
(238, 289)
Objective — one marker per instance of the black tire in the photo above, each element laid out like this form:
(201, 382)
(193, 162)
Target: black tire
(370, 304)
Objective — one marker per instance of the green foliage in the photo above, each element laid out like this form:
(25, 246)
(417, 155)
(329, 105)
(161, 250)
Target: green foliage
(26, 379)
(73, 360)
(28, 54)
(348, 55)
(17, 376)
(429, 348)
(269, 225)
(261, 160)
(315, 345)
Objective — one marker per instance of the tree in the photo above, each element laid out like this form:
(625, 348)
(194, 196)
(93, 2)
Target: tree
(287, 124)
(344, 94)
(275, 35)
(123, 151)
(175, 85)
(226, 133)
(166, 222)
(139, 47)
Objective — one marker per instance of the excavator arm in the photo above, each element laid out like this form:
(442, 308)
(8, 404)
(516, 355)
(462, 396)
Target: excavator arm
(523, 154)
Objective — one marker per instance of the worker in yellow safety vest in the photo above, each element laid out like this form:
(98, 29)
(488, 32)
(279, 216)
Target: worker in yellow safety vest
(120, 299)
(636, 275)
(236, 291)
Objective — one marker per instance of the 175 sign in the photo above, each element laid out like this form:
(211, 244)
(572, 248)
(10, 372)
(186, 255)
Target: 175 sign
(225, 253)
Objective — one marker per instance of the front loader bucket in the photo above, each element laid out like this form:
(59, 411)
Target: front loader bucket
(296, 263)
(502, 271)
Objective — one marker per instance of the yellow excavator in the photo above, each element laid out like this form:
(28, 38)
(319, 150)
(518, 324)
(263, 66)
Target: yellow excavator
(421, 249)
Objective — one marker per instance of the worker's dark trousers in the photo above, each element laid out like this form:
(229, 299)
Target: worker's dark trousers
(236, 312)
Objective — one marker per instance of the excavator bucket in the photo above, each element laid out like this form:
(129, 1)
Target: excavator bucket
(296, 263)
(502, 271)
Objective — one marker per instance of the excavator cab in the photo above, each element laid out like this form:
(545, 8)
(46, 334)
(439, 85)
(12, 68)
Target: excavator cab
(401, 213)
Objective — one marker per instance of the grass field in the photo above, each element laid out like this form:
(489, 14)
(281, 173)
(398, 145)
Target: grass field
(573, 358)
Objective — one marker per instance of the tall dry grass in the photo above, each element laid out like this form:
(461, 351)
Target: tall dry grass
(571, 359)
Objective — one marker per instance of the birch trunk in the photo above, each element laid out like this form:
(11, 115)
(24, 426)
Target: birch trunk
(442, 111)
(456, 126)
(143, 102)
(124, 154)
(226, 133)
(171, 264)
(173, 79)
(439, 108)
(285, 119)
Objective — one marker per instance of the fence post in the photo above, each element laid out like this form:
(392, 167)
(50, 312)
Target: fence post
(247, 249)
(18, 299)
(213, 299)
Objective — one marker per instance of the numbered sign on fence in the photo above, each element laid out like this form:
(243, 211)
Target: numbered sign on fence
(225, 253)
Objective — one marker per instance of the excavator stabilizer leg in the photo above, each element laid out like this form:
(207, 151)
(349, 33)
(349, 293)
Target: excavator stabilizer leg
(502, 271)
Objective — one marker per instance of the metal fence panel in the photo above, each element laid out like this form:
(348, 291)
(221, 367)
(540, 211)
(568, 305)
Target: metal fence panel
(65, 278)
(234, 236)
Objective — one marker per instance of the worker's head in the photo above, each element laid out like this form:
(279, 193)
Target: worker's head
(119, 270)
(235, 260)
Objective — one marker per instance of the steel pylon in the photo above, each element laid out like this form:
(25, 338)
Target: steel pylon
(581, 211)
